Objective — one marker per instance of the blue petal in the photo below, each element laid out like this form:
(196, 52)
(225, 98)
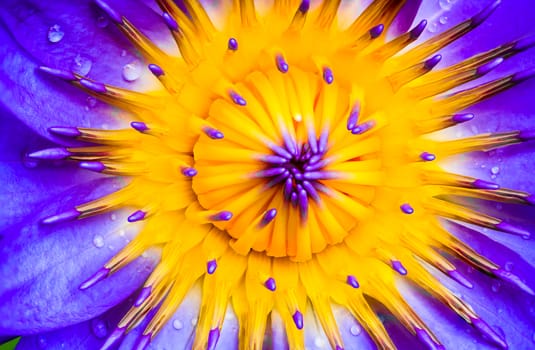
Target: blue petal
(42, 266)
(99, 53)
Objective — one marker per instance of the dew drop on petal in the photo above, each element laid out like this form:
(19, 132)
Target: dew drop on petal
(91, 102)
(496, 286)
(102, 21)
(123, 53)
(433, 27)
(177, 324)
(41, 342)
(99, 328)
(509, 266)
(132, 71)
(55, 34)
(113, 217)
(98, 241)
(443, 19)
(446, 5)
(319, 342)
(495, 170)
(355, 330)
(194, 321)
(81, 65)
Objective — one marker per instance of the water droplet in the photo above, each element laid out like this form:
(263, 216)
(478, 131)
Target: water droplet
(99, 328)
(496, 286)
(132, 71)
(41, 342)
(194, 321)
(102, 21)
(123, 53)
(495, 170)
(433, 27)
(82, 65)
(177, 324)
(91, 102)
(122, 233)
(355, 330)
(113, 217)
(509, 266)
(446, 5)
(319, 342)
(55, 34)
(443, 19)
(98, 241)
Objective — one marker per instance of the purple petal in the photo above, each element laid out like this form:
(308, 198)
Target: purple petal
(43, 266)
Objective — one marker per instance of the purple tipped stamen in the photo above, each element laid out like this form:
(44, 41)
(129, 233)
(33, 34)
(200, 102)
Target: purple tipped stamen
(418, 30)
(211, 266)
(139, 126)
(170, 21)
(222, 216)
(232, 44)
(213, 133)
(156, 70)
(237, 99)
(526, 135)
(143, 295)
(114, 15)
(485, 185)
(427, 157)
(304, 6)
(268, 217)
(113, 338)
(509, 228)
(51, 154)
(362, 128)
(398, 267)
(432, 62)
(66, 131)
(189, 172)
(487, 67)
(98, 276)
(376, 31)
(68, 215)
(58, 73)
(352, 281)
(137, 216)
(270, 284)
(456, 276)
(484, 328)
(328, 76)
(406, 208)
(213, 338)
(97, 167)
(282, 65)
(94, 86)
(483, 15)
(353, 117)
(462, 118)
(298, 319)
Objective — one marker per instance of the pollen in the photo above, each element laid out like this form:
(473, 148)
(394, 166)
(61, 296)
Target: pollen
(287, 163)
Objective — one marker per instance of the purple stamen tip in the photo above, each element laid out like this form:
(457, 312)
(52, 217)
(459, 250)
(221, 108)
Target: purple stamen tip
(282, 65)
(98, 276)
(456, 276)
(304, 6)
(211, 266)
(270, 284)
(483, 15)
(268, 217)
(461, 118)
(98, 88)
(523, 75)
(139, 126)
(484, 328)
(143, 295)
(298, 319)
(58, 73)
(57, 153)
(352, 281)
(426, 156)
(143, 342)
(170, 21)
(418, 30)
(61, 217)
(509, 228)
(213, 133)
(525, 43)
(112, 339)
(114, 15)
(526, 135)
(376, 31)
(137, 216)
(398, 267)
(66, 131)
(156, 70)
(189, 172)
(432, 62)
(362, 128)
(426, 339)
(97, 167)
(237, 99)
(513, 279)
(406, 208)
(232, 44)
(485, 185)
(487, 67)
(213, 338)
(328, 76)
(353, 117)
(530, 199)
(222, 216)
(338, 347)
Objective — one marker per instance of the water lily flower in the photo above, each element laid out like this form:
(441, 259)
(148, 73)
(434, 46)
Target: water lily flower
(267, 174)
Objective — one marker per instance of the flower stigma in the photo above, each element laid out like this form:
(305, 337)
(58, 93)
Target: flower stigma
(287, 164)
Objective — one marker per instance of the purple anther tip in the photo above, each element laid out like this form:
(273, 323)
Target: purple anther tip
(432, 62)
(138, 215)
(338, 347)
(376, 31)
(484, 328)
(143, 295)
(485, 185)
(143, 342)
(525, 43)
(509, 228)
(232, 44)
(97, 167)
(156, 70)
(58, 73)
(270, 284)
(456, 276)
(268, 217)
(426, 339)
(427, 157)
(213, 338)
(418, 30)
(237, 99)
(112, 339)
(282, 65)
(398, 267)
(66, 131)
(406, 208)
(462, 118)
(298, 319)
(68, 215)
(328, 76)
(213, 133)
(211, 266)
(523, 75)
(483, 15)
(94, 86)
(189, 172)
(362, 128)
(304, 6)
(170, 21)
(352, 281)
(114, 15)
(56, 153)
(530, 199)
(139, 126)
(353, 117)
(513, 279)
(526, 135)
(487, 67)
(98, 276)
(222, 216)
(303, 204)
